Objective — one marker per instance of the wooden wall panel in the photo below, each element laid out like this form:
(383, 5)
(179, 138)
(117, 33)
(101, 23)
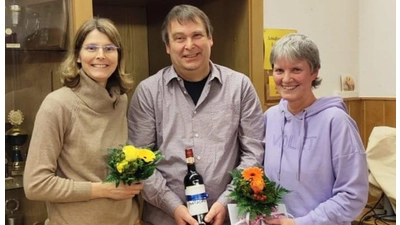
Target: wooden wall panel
(354, 106)
(377, 112)
(131, 23)
(256, 59)
(390, 113)
(82, 11)
(371, 112)
(374, 116)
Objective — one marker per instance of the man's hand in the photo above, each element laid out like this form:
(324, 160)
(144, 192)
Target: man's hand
(216, 215)
(183, 217)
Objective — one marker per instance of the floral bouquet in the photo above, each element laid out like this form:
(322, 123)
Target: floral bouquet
(130, 164)
(255, 194)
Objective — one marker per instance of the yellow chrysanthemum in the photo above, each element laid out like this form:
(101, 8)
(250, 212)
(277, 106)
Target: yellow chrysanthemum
(257, 185)
(146, 154)
(131, 153)
(252, 173)
(121, 166)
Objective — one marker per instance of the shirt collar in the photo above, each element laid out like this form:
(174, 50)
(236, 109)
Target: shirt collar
(171, 74)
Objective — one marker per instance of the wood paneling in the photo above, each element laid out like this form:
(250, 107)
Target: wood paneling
(354, 107)
(371, 112)
(390, 113)
(82, 11)
(256, 60)
(130, 22)
(238, 42)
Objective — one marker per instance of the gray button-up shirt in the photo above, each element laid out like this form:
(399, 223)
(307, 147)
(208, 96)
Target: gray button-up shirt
(225, 130)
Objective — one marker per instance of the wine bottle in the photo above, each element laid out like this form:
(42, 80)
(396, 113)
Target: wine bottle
(195, 191)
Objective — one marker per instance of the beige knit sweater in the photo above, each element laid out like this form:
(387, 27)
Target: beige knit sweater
(68, 150)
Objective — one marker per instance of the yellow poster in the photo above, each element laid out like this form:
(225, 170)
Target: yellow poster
(270, 37)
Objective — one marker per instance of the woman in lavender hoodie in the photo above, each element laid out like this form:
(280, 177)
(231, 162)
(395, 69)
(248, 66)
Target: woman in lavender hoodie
(312, 146)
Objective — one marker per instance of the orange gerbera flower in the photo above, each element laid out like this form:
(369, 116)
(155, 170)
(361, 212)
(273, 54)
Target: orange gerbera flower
(254, 193)
(252, 173)
(257, 185)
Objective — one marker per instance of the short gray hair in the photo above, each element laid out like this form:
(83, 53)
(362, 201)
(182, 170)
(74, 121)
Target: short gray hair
(297, 46)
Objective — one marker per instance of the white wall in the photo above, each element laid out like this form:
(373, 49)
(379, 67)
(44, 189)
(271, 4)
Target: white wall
(377, 55)
(349, 36)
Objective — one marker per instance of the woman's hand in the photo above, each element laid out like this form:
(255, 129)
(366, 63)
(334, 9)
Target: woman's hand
(282, 221)
(108, 190)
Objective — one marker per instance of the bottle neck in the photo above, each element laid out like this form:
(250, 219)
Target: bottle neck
(191, 167)
(190, 160)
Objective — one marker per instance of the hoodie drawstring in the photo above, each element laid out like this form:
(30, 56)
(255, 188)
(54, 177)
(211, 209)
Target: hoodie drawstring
(282, 142)
(300, 146)
(301, 143)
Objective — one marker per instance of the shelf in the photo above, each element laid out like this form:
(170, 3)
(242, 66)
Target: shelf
(12, 183)
(347, 94)
(24, 50)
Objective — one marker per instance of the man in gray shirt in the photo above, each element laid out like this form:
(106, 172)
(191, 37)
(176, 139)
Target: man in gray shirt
(194, 104)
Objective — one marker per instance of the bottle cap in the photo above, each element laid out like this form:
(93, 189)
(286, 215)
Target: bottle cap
(188, 152)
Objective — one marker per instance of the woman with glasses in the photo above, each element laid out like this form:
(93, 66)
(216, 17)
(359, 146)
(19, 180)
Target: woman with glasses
(74, 128)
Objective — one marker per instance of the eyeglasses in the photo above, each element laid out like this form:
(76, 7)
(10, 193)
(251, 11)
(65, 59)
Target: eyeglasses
(106, 48)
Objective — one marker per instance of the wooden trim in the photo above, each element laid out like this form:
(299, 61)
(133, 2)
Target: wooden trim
(370, 98)
(379, 98)
(82, 11)
(256, 58)
(352, 99)
(268, 96)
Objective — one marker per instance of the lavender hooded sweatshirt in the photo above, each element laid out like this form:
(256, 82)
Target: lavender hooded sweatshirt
(318, 155)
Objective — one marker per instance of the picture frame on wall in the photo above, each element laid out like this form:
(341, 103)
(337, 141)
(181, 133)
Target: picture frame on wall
(272, 93)
(347, 83)
(46, 25)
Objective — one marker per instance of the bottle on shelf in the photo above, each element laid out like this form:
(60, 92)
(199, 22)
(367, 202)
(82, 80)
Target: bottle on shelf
(195, 191)
(13, 25)
(16, 137)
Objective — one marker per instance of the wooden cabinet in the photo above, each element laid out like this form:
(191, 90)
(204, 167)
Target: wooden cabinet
(31, 72)
(33, 52)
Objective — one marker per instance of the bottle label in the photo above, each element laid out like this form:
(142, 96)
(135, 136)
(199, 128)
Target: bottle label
(196, 199)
